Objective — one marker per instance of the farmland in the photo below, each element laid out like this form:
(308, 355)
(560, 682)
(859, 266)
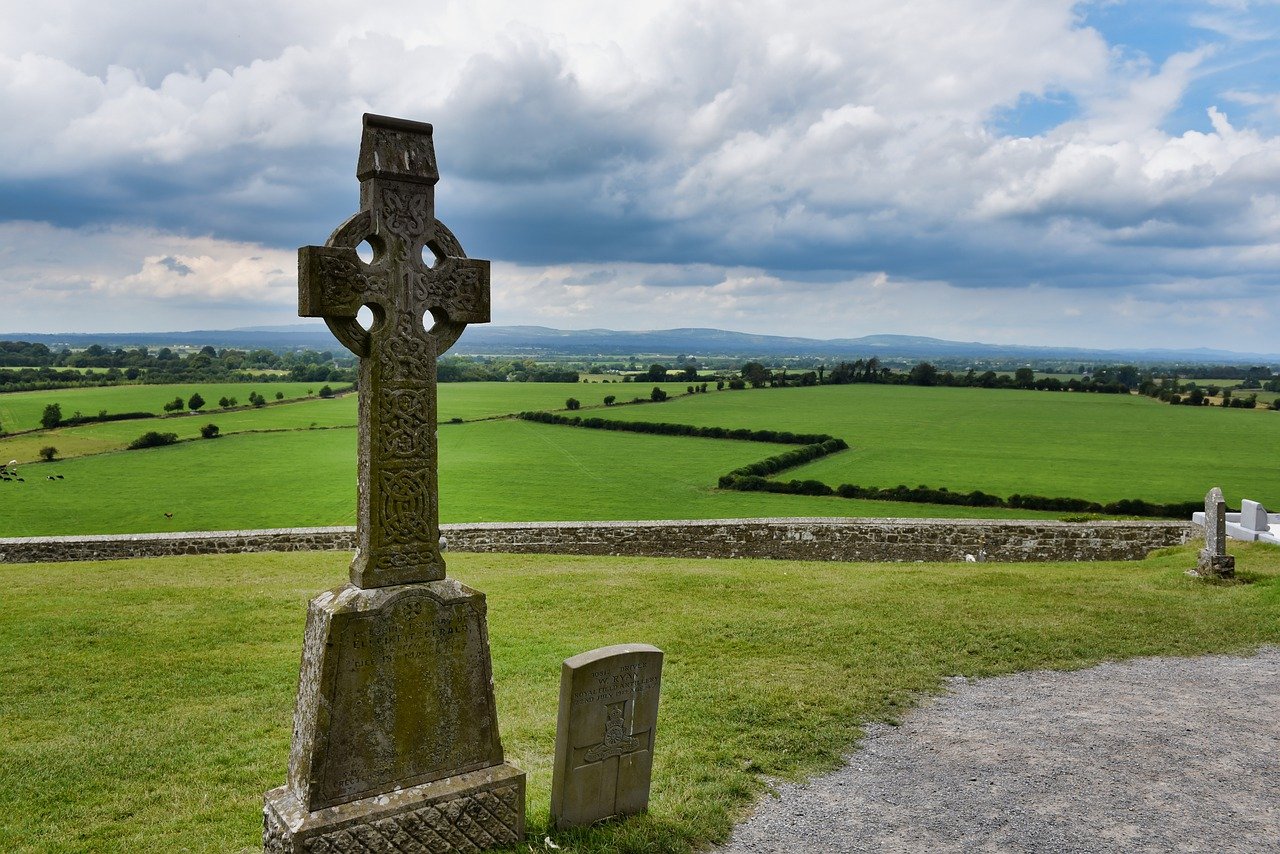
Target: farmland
(1100, 447)
(293, 464)
(490, 471)
(21, 410)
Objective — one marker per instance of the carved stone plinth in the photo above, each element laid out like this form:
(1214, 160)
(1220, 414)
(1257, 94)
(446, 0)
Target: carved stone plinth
(469, 812)
(1210, 565)
(395, 727)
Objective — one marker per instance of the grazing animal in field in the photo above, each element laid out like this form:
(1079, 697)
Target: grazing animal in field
(51, 477)
(168, 515)
(59, 477)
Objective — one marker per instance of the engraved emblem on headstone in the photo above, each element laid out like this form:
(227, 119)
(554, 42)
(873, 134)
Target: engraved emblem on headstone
(395, 730)
(617, 742)
(605, 734)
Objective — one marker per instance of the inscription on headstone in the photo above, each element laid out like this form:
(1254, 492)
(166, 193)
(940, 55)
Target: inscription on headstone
(1214, 562)
(605, 734)
(395, 730)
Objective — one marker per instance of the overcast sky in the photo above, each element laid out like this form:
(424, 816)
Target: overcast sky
(1010, 171)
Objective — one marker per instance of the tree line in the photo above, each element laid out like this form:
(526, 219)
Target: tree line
(38, 367)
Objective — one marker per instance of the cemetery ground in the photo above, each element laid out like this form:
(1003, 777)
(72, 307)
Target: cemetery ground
(148, 702)
(293, 464)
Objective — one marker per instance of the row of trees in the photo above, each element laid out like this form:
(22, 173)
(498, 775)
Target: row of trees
(756, 375)
(42, 368)
(1171, 390)
(461, 370)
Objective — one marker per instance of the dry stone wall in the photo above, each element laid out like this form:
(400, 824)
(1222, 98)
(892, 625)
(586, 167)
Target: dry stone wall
(783, 539)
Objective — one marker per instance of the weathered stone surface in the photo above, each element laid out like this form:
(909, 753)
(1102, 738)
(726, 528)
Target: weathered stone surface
(395, 732)
(395, 690)
(469, 812)
(782, 539)
(605, 734)
(1214, 560)
(397, 513)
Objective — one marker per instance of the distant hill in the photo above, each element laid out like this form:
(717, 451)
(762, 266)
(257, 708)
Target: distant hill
(541, 340)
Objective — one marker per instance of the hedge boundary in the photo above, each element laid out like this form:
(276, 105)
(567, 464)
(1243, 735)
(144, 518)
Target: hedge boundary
(753, 477)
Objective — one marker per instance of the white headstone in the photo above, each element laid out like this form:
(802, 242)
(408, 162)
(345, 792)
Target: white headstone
(1253, 516)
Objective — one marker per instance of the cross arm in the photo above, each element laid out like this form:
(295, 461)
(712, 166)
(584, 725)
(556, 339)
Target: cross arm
(458, 290)
(332, 282)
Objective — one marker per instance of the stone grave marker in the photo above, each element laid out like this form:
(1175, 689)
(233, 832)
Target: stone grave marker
(1214, 562)
(605, 734)
(395, 732)
(1253, 516)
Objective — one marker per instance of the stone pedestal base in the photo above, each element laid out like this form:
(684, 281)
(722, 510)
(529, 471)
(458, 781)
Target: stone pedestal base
(1212, 565)
(469, 812)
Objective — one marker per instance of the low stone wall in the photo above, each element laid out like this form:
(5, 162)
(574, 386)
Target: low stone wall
(781, 539)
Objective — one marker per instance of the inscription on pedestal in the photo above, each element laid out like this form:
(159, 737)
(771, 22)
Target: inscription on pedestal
(406, 688)
(605, 734)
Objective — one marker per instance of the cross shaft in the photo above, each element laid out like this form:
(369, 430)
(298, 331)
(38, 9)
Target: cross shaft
(397, 518)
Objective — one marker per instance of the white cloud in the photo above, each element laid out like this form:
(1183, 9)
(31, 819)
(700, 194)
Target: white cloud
(752, 143)
(94, 279)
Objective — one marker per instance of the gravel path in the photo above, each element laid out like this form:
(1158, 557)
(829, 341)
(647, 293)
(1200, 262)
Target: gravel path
(1156, 754)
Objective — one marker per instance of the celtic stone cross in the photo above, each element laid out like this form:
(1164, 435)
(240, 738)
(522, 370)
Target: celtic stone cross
(418, 273)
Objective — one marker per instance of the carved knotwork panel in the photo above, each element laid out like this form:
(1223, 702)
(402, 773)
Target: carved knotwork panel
(405, 212)
(408, 422)
(404, 353)
(404, 501)
(334, 282)
(458, 289)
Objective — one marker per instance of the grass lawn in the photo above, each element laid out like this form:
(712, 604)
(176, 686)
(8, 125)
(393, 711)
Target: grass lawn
(491, 471)
(1095, 446)
(147, 704)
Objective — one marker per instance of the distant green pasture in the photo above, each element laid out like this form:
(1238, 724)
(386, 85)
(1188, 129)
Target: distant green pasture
(116, 435)
(485, 400)
(490, 471)
(1096, 446)
(468, 401)
(21, 410)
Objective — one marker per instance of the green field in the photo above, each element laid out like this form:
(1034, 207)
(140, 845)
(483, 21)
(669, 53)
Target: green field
(1095, 446)
(147, 703)
(285, 465)
(490, 471)
(21, 410)
(466, 401)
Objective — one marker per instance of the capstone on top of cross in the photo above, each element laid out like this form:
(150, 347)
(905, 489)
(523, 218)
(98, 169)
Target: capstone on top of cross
(398, 149)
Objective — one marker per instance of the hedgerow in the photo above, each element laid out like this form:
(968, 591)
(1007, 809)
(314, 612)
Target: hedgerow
(754, 477)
